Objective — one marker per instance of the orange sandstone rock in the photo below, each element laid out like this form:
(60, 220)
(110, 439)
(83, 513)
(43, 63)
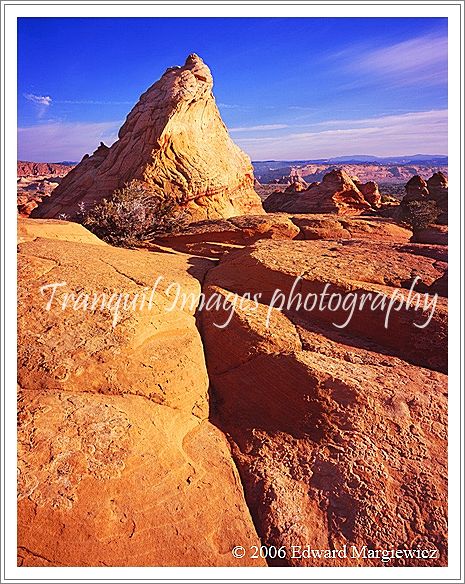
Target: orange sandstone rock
(337, 193)
(118, 462)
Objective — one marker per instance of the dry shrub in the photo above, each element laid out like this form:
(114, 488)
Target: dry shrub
(133, 214)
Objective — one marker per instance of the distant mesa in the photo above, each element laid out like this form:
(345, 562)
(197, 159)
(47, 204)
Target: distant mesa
(175, 140)
(36, 180)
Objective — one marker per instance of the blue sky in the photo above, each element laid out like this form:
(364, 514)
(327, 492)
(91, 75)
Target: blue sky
(287, 88)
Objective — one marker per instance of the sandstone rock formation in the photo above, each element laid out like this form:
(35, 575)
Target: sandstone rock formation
(26, 204)
(282, 172)
(369, 228)
(37, 180)
(297, 184)
(31, 229)
(434, 189)
(415, 189)
(434, 234)
(370, 191)
(339, 435)
(173, 139)
(212, 238)
(118, 463)
(337, 193)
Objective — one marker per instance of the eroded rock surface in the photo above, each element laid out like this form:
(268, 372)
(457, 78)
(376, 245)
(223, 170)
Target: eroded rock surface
(339, 435)
(174, 140)
(37, 180)
(438, 190)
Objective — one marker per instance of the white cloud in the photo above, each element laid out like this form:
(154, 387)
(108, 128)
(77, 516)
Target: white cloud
(411, 133)
(39, 99)
(430, 116)
(56, 141)
(400, 134)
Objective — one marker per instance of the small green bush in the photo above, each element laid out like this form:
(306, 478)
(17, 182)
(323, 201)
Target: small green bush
(134, 213)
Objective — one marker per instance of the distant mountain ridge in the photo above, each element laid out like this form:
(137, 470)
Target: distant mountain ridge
(436, 158)
(396, 170)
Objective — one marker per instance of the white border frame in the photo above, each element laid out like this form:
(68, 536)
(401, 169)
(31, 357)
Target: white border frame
(453, 11)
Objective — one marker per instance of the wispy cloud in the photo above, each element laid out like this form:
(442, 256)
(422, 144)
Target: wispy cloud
(230, 106)
(394, 134)
(64, 141)
(418, 61)
(410, 133)
(430, 116)
(264, 127)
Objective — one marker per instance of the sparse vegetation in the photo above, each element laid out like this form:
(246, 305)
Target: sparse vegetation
(419, 214)
(132, 214)
(389, 199)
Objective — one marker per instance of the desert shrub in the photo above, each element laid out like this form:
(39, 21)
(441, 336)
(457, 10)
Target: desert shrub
(419, 214)
(132, 214)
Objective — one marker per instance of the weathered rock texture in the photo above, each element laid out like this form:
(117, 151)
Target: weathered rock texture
(370, 191)
(173, 139)
(435, 234)
(118, 463)
(337, 193)
(339, 435)
(31, 229)
(37, 180)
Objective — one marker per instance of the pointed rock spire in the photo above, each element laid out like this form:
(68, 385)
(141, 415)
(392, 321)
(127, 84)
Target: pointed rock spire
(174, 140)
